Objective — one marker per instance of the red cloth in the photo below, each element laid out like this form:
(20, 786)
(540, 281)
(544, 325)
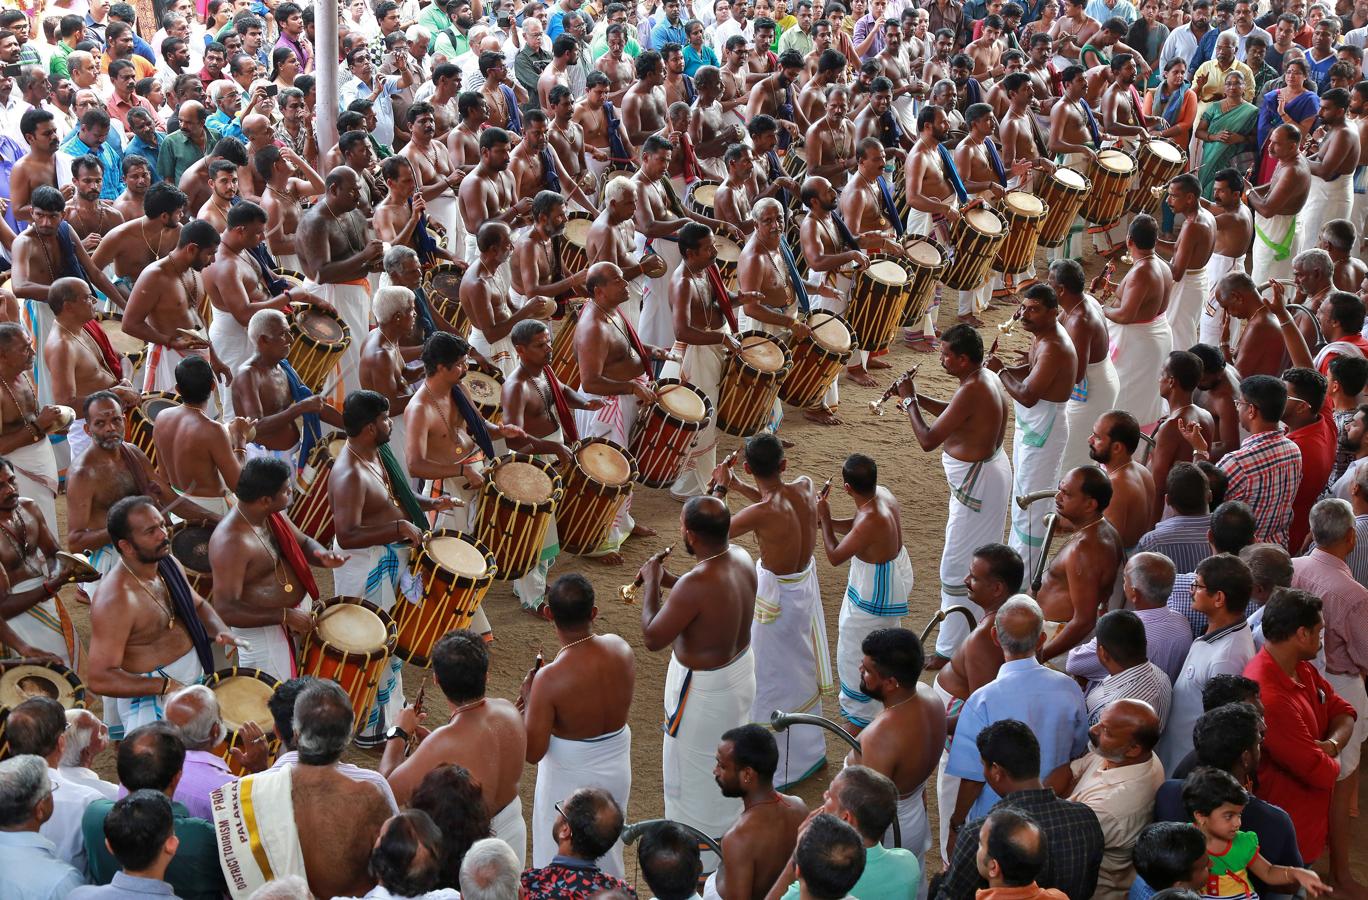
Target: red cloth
(569, 434)
(1358, 340)
(1294, 773)
(291, 553)
(111, 359)
(635, 340)
(719, 289)
(1317, 443)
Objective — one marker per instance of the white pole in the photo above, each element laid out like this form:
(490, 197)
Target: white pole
(325, 68)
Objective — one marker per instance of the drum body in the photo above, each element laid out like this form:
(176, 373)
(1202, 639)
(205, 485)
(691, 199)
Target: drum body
(701, 197)
(597, 482)
(1159, 161)
(320, 339)
(878, 295)
(351, 643)
(1063, 192)
(795, 163)
(564, 362)
(1111, 177)
(925, 264)
(243, 695)
(728, 259)
(663, 432)
(486, 391)
(517, 500)
(613, 170)
(574, 243)
(130, 349)
(311, 509)
(818, 360)
(21, 679)
(1025, 213)
(190, 546)
(976, 238)
(750, 383)
(443, 287)
(456, 572)
(138, 430)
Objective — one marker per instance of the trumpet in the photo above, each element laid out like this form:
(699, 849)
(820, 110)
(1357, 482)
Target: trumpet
(1005, 329)
(1025, 500)
(631, 593)
(1038, 576)
(1158, 191)
(729, 461)
(876, 407)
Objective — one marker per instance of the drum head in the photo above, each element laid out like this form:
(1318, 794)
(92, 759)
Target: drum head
(122, 343)
(577, 231)
(23, 682)
(832, 334)
(458, 556)
(1116, 161)
(352, 628)
(244, 699)
(605, 463)
(1024, 204)
(1165, 150)
(483, 389)
(682, 403)
(156, 406)
(336, 446)
(322, 327)
(984, 221)
(190, 545)
(522, 481)
(705, 194)
(762, 353)
(727, 249)
(445, 282)
(923, 253)
(886, 271)
(1070, 179)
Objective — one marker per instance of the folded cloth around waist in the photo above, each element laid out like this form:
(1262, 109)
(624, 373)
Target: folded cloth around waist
(1036, 424)
(881, 589)
(258, 841)
(134, 712)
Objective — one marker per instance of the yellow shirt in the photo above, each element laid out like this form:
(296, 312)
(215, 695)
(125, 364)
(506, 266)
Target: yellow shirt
(1214, 89)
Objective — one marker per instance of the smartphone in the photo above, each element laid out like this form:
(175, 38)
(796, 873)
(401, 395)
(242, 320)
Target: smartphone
(272, 90)
(14, 71)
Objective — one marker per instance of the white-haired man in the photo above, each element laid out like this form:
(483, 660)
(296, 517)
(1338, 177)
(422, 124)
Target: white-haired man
(490, 871)
(30, 862)
(194, 710)
(86, 738)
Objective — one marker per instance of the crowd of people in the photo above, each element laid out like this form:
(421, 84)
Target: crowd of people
(297, 310)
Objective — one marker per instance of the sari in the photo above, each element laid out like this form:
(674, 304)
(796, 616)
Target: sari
(1305, 106)
(1216, 155)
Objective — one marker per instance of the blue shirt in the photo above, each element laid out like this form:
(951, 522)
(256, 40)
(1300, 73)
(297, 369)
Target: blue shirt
(33, 870)
(111, 159)
(1205, 48)
(137, 147)
(124, 887)
(1050, 702)
(663, 33)
(693, 61)
(1099, 10)
(226, 126)
(144, 49)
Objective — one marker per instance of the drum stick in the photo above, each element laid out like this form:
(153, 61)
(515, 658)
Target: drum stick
(421, 696)
(331, 385)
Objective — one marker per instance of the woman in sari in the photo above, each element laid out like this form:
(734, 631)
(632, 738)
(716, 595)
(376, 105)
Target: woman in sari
(1227, 133)
(1173, 101)
(1146, 36)
(1291, 105)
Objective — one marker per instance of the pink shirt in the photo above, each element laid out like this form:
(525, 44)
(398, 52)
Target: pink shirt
(1346, 609)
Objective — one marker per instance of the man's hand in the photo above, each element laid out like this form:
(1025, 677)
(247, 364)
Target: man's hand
(309, 405)
(907, 387)
(722, 473)
(643, 392)
(801, 331)
(1192, 433)
(508, 430)
(47, 417)
(299, 622)
(330, 559)
(252, 752)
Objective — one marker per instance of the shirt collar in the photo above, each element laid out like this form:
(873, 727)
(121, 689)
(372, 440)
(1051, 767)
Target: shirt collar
(1214, 636)
(205, 758)
(1018, 665)
(572, 862)
(1331, 561)
(136, 884)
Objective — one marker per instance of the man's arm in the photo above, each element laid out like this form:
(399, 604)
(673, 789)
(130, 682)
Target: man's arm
(1085, 595)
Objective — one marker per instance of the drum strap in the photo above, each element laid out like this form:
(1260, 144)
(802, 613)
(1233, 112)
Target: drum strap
(312, 431)
(423, 242)
(553, 182)
(291, 553)
(616, 148)
(890, 207)
(475, 422)
(401, 489)
(183, 601)
(514, 113)
(995, 160)
(842, 229)
(952, 174)
(135, 469)
(66, 246)
(795, 279)
(111, 359)
(719, 289)
(565, 417)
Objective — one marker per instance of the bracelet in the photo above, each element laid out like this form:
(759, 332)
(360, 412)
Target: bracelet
(720, 490)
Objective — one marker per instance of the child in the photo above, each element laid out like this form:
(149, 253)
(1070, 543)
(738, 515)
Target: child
(1216, 801)
(1169, 854)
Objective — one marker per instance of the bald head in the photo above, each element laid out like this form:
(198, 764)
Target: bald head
(599, 275)
(341, 178)
(195, 711)
(191, 111)
(1126, 732)
(257, 127)
(707, 520)
(1019, 627)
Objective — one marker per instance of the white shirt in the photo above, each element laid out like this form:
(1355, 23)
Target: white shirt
(1358, 38)
(69, 802)
(353, 89)
(728, 28)
(1180, 44)
(1342, 485)
(380, 892)
(1224, 652)
(1240, 39)
(87, 778)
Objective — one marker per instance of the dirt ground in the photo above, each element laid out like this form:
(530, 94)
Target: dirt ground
(914, 476)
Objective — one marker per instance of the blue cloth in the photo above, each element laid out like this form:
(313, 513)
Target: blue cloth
(1320, 71)
(475, 423)
(1139, 890)
(426, 323)
(33, 870)
(423, 241)
(66, 249)
(1031, 11)
(1205, 48)
(313, 427)
(1174, 104)
(1093, 131)
(226, 127)
(952, 174)
(144, 49)
(891, 131)
(514, 113)
(995, 160)
(124, 887)
(1050, 702)
(11, 151)
(555, 24)
(138, 147)
(1305, 106)
(182, 599)
(795, 279)
(890, 207)
(664, 33)
(553, 182)
(111, 159)
(616, 149)
(695, 61)
(1099, 10)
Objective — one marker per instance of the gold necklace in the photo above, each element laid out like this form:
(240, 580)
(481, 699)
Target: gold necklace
(725, 551)
(167, 608)
(474, 704)
(276, 565)
(588, 637)
(28, 421)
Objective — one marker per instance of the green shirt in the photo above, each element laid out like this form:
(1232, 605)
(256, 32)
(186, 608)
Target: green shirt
(888, 875)
(178, 154)
(57, 65)
(194, 873)
(442, 46)
(599, 47)
(796, 39)
(434, 19)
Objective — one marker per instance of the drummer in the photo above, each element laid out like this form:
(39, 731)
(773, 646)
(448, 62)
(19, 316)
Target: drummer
(710, 129)
(399, 218)
(433, 175)
(490, 194)
(877, 119)
(376, 530)
(536, 167)
(935, 195)
(1189, 258)
(831, 140)
(200, 455)
(732, 202)
(537, 270)
(150, 633)
(137, 243)
(263, 585)
(79, 361)
(1075, 138)
(566, 138)
(485, 297)
(612, 239)
(985, 177)
(1122, 121)
(388, 367)
(617, 368)
(279, 168)
(25, 422)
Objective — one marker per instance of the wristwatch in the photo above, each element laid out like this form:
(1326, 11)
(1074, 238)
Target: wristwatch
(906, 403)
(396, 733)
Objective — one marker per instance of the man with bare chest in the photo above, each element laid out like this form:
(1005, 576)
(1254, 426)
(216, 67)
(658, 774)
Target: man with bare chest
(490, 193)
(732, 202)
(605, 135)
(1096, 386)
(1234, 229)
(537, 270)
(263, 586)
(969, 428)
(435, 178)
(612, 238)
(768, 275)
(644, 106)
(42, 165)
(934, 198)
(616, 64)
(463, 141)
(199, 454)
(1075, 138)
(389, 359)
(1190, 259)
(995, 574)
(137, 173)
(566, 138)
(1277, 203)
(403, 219)
(710, 129)
(1137, 327)
(536, 167)
(831, 140)
(288, 179)
(90, 217)
(486, 299)
(1112, 443)
(1332, 165)
(25, 424)
(137, 243)
(984, 178)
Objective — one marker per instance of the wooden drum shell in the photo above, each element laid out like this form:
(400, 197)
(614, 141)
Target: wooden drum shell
(564, 362)
(876, 307)
(357, 671)
(1064, 201)
(660, 439)
(589, 506)
(442, 284)
(814, 366)
(512, 530)
(1106, 202)
(1154, 170)
(231, 717)
(1016, 253)
(312, 357)
(450, 599)
(311, 510)
(745, 401)
(138, 425)
(975, 250)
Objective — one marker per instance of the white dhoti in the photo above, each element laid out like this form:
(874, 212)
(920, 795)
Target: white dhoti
(1090, 398)
(374, 573)
(603, 762)
(613, 421)
(35, 470)
(922, 224)
(77, 440)
(47, 627)
(701, 367)
(1139, 351)
(1209, 326)
(876, 597)
(287, 261)
(1185, 309)
(656, 324)
(445, 210)
(1274, 245)
(906, 109)
(135, 712)
(1360, 208)
(509, 826)
(231, 346)
(1326, 200)
(913, 824)
(947, 785)
(699, 706)
(258, 841)
(270, 648)
(352, 300)
(218, 504)
(500, 353)
(159, 372)
(1037, 449)
(792, 664)
(980, 494)
(1351, 688)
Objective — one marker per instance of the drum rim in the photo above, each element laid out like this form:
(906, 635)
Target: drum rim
(868, 271)
(67, 674)
(1028, 214)
(491, 488)
(312, 342)
(602, 487)
(329, 649)
(920, 266)
(485, 577)
(669, 415)
(979, 212)
(577, 216)
(1153, 144)
(181, 528)
(481, 375)
(831, 317)
(1084, 185)
(765, 337)
(219, 676)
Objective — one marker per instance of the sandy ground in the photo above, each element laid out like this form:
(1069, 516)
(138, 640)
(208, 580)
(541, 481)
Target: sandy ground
(913, 475)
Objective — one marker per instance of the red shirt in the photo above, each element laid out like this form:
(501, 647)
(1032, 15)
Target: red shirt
(1317, 443)
(1294, 773)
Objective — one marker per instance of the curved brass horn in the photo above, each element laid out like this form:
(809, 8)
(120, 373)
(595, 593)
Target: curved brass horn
(631, 833)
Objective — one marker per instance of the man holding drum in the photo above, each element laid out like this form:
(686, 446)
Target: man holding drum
(384, 368)
(1075, 138)
(1332, 166)
(1137, 325)
(612, 239)
(1095, 381)
(485, 296)
(1189, 260)
(537, 269)
(137, 243)
(985, 177)
(200, 455)
(935, 196)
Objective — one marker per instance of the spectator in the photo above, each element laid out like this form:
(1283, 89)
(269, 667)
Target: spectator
(86, 738)
(1271, 568)
(1311, 427)
(1308, 723)
(92, 137)
(1220, 691)
(1011, 855)
(588, 826)
(406, 861)
(1221, 593)
(1358, 496)
(145, 144)
(1147, 582)
(72, 30)
(1231, 530)
(120, 46)
(226, 120)
(195, 711)
(490, 869)
(1266, 469)
(829, 860)
(124, 99)
(1121, 649)
(38, 727)
(188, 144)
(151, 758)
(1182, 537)
(365, 84)
(140, 831)
(1169, 855)
(669, 860)
(33, 868)
(455, 801)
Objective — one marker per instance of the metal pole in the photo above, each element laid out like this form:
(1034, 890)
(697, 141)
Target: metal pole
(325, 68)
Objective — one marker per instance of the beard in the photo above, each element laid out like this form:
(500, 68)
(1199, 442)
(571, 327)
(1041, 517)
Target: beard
(109, 442)
(162, 551)
(688, 547)
(873, 693)
(731, 792)
(1099, 458)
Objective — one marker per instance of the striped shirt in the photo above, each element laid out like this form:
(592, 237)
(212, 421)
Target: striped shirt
(1358, 559)
(1345, 611)
(1145, 682)
(1168, 637)
(1181, 601)
(1265, 472)
(1183, 539)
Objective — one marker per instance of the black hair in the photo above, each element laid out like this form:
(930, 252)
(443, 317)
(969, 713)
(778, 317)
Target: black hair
(1268, 396)
(595, 821)
(136, 828)
(282, 704)
(442, 348)
(1122, 634)
(150, 757)
(861, 473)
(1223, 734)
(1351, 372)
(1228, 688)
(1042, 294)
(1346, 311)
(1012, 746)
(1124, 430)
(1004, 563)
(1144, 231)
(407, 855)
(162, 198)
(830, 857)
(1185, 368)
(245, 213)
(461, 664)
(754, 747)
(704, 518)
(1009, 846)
(765, 455)
(116, 520)
(361, 408)
(200, 233)
(1227, 574)
(194, 379)
(263, 476)
(570, 599)
(964, 340)
(1095, 485)
(896, 653)
(1207, 788)
(1186, 489)
(35, 726)
(1167, 852)
(1287, 612)
(1232, 527)
(455, 802)
(670, 861)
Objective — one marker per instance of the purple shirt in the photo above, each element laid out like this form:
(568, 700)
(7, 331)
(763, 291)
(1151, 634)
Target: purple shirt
(1168, 637)
(862, 29)
(300, 53)
(204, 773)
(1346, 610)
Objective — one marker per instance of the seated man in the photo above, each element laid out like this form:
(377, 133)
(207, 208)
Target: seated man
(830, 858)
(140, 831)
(30, 861)
(588, 825)
(195, 711)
